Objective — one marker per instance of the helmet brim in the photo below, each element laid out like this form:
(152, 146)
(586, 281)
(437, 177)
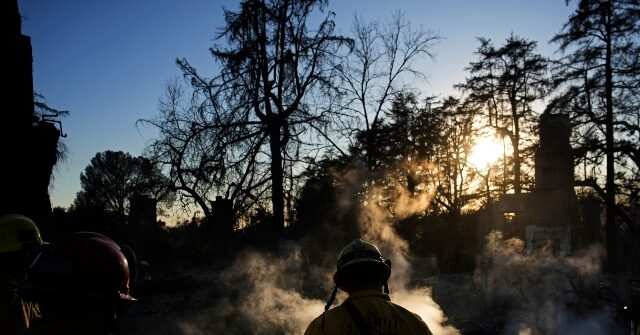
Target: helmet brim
(385, 270)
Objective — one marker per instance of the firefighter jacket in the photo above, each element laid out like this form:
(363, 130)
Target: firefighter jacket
(15, 314)
(375, 309)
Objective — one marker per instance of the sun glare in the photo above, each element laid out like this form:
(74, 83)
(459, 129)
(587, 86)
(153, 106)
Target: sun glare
(486, 151)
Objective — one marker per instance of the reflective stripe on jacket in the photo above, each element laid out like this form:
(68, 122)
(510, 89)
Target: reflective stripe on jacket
(381, 315)
(15, 314)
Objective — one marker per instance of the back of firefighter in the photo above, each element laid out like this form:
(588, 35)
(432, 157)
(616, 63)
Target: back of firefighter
(79, 285)
(363, 274)
(20, 241)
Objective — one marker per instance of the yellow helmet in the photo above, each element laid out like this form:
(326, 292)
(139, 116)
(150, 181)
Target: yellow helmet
(17, 230)
(359, 251)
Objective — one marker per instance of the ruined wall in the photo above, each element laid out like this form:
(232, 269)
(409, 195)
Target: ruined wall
(141, 230)
(222, 210)
(553, 195)
(549, 213)
(554, 215)
(143, 213)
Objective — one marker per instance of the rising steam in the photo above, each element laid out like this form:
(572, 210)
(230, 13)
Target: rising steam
(538, 293)
(271, 293)
(377, 226)
(281, 293)
(263, 296)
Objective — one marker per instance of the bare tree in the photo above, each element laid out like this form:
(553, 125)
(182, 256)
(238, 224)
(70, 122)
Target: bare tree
(255, 114)
(382, 58)
(204, 155)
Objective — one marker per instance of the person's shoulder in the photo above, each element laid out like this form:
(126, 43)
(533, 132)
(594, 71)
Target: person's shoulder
(327, 321)
(404, 310)
(315, 327)
(409, 315)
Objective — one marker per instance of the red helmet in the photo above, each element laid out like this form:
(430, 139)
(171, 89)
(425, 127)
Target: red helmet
(86, 265)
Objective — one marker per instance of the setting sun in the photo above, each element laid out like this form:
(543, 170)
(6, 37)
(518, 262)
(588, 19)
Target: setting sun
(486, 151)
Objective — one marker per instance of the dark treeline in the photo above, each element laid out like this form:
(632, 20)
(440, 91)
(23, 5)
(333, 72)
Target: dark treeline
(301, 126)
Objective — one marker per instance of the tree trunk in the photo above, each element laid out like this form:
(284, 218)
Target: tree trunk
(610, 223)
(517, 187)
(277, 179)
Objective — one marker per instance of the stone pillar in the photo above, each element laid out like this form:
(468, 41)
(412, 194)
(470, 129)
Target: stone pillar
(553, 159)
(142, 226)
(143, 213)
(554, 211)
(222, 210)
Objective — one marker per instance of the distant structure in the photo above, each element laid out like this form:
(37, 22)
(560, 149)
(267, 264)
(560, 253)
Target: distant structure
(143, 213)
(222, 210)
(142, 224)
(28, 144)
(547, 215)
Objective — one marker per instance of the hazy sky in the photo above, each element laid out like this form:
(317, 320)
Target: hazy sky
(106, 61)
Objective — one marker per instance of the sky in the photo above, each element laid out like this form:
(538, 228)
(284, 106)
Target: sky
(106, 61)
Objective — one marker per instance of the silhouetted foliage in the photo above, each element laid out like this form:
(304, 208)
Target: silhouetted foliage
(206, 156)
(407, 133)
(457, 182)
(599, 80)
(113, 177)
(269, 111)
(504, 83)
(425, 148)
(45, 113)
(329, 202)
(397, 154)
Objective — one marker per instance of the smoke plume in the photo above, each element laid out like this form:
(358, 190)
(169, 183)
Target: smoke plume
(282, 292)
(382, 208)
(540, 292)
(510, 291)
